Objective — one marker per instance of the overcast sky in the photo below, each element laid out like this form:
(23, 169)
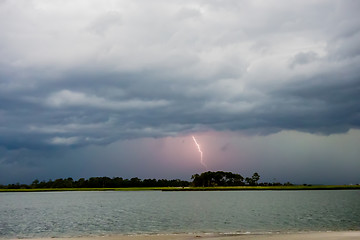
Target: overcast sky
(118, 88)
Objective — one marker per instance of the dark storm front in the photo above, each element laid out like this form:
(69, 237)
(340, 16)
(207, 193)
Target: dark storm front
(60, 214)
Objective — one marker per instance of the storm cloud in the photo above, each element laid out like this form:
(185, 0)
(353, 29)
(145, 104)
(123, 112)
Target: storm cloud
(85, 73)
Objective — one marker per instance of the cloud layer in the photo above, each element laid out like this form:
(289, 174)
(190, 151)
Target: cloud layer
(85, 72)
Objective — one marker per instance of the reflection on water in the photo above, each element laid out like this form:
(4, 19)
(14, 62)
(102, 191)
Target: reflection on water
(60, 214)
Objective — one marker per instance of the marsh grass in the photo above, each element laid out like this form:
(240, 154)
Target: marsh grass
(239, 188)
(264, 188)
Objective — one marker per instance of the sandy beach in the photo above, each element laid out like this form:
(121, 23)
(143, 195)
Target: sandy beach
(348, 235)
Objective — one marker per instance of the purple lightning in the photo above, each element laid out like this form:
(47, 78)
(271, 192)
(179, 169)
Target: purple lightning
(201, 153)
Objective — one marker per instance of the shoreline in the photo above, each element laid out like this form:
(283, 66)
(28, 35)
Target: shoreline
(328, 235)
(185, 189)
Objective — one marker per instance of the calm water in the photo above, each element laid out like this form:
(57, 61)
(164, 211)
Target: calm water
(60, 214)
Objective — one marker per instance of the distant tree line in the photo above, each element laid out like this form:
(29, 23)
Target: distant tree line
(220, 178)
(205, 179)
(100, 182)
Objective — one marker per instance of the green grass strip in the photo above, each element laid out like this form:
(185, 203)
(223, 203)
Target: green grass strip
(237, 188)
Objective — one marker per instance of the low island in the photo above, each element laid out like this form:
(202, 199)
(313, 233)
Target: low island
(206, 181)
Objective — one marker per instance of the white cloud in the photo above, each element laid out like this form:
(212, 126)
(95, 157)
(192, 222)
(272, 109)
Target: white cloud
(64, 140)
(68, 128)
(67, 98)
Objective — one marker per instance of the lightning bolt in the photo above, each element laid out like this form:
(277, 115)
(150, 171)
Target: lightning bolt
(201, 153)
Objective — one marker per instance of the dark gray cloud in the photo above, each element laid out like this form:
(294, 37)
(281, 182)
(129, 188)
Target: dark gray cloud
(303, 58)
(171, 85)
(80, 74)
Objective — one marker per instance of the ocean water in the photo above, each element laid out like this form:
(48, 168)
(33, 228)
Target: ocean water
(64, 214)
